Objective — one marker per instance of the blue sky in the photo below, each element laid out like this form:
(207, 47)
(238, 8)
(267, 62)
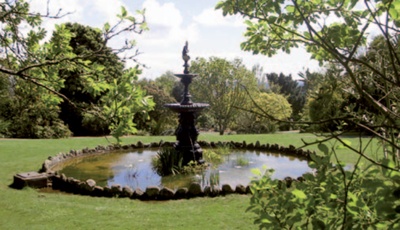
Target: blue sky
(171, 23)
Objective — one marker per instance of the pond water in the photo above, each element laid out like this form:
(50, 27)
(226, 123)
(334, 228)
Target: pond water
(134, 169)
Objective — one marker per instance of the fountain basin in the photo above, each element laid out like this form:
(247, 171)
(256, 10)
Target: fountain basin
(66, 183)
(134, 169)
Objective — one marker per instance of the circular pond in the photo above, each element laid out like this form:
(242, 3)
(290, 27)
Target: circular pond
(134, 169)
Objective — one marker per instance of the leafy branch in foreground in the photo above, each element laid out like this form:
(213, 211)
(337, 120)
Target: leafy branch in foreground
(337, 33)
(37, 67)
(329, 198)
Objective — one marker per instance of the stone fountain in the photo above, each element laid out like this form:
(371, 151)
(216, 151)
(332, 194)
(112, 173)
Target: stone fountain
(186, 133)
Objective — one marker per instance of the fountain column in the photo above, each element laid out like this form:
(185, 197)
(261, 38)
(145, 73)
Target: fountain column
(187, 133)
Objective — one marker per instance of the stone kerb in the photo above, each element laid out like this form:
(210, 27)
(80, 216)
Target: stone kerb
(89, 187)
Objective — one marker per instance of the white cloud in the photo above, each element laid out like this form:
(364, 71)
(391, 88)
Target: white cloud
(89, 12)
(161, 45)
(166, 26)
(298, 61)
(166, 14)
(212, 17)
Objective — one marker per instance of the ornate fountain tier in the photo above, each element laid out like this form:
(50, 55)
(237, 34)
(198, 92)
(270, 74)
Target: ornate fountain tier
(186, 133)
(194, 107)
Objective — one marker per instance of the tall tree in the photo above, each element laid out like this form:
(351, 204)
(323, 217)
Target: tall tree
(325, 98)
(84, 41)
(295, 92)
(171, 85)
(34, 63)
(334, 31)
(253, 121)
(222, 84)
(166, 81)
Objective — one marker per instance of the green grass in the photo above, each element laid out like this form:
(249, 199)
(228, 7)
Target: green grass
(30, 209)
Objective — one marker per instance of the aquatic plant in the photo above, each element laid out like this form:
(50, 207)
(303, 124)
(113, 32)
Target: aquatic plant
(168, 161)
(215, 156)
(242, 161)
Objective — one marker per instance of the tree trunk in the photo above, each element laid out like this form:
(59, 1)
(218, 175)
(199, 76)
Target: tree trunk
(221, 129)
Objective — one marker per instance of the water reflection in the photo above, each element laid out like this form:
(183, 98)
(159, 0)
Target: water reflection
(134, 169)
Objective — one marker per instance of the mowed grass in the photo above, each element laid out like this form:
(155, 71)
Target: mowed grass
(31, 209)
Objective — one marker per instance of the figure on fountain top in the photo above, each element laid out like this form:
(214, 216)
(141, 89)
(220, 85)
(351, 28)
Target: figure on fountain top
(186, 57)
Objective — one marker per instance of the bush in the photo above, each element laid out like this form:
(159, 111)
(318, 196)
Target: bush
(331, 198)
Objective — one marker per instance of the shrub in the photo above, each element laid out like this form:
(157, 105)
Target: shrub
(331, 198)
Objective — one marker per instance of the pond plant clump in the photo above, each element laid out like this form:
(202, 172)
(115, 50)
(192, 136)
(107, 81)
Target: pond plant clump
(169, 161)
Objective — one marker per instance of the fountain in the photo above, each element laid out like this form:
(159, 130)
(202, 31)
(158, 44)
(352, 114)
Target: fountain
(127, 171)
(186, 133)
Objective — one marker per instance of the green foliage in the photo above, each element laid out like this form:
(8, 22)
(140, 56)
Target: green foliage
(193, 168)
(242, 161)
(67, 75)
(327, 98)
(123, 100)
(296, 94)
(168, 161)
(166, 82)
(83, 89)
(362, 91)
(261, 117)
(162, 121)
(329, 198)
(211, 156)
(222, 84)
(216, 156)
(29, 112)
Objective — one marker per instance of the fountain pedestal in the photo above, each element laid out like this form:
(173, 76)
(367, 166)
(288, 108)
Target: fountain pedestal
(186, 133)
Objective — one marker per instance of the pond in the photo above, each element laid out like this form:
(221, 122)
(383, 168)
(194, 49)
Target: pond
(134, 169)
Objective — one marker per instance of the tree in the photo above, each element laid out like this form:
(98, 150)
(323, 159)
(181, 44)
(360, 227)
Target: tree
(123, 100)
(287, 86)
(86, 40)
(170, 84)
(5, 103)
(160, 120)
(333, 31)
(221, 84)
(34, 63)
(253, 121)
(167, 82)
(336, 32)
(325, 98)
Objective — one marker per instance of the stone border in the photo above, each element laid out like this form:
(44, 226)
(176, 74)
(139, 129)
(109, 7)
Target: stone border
(89, 187)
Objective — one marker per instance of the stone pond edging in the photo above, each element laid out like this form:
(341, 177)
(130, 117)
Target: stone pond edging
(71, 185)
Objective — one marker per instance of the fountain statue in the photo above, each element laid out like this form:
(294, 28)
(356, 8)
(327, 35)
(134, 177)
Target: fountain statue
(186, 133)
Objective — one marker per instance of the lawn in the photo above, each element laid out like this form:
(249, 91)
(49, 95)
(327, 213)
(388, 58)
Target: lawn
(31, 209)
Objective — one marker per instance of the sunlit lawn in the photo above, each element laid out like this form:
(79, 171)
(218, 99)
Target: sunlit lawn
(30, 209)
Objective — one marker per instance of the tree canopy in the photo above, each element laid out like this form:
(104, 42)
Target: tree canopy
(342, 35)
(38, 68)
(222, 84)
(337, 32)
(296, 93)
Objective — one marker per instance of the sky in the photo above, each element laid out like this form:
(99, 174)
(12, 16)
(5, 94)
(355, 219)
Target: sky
(171, 23)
